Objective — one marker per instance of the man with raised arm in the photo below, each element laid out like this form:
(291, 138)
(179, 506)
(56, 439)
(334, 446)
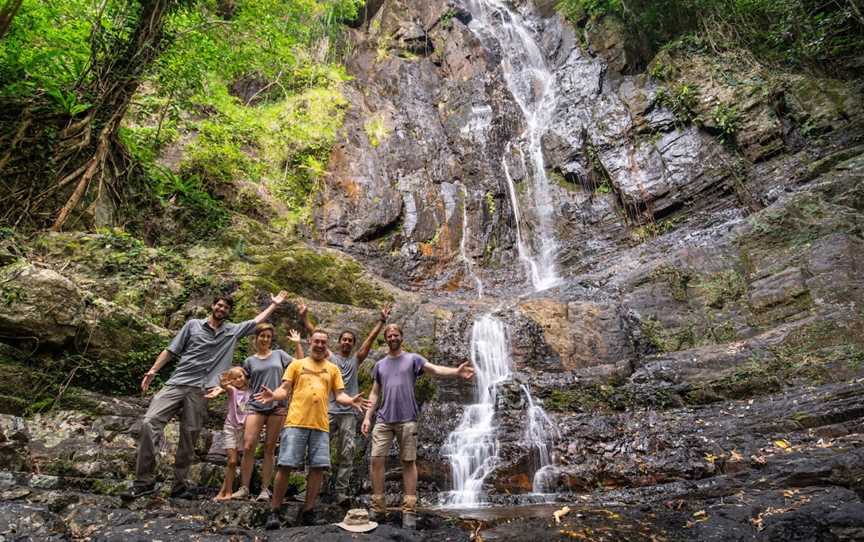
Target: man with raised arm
(307, 384)
(393, 379)
(205, 348)
(343, 422)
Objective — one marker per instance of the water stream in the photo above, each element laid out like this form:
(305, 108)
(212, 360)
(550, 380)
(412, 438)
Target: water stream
(532, 84)
(473, 446)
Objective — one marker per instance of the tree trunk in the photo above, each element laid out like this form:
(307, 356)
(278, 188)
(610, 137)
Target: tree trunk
(7, 13)
(115, 81)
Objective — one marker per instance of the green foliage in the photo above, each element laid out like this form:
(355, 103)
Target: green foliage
(446, 20)
(200, 213)
(727, 119)
(802, 33)
(682, 99)
(47, 48)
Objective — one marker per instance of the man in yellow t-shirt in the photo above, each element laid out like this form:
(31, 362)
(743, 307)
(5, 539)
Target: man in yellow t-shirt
(307, 384)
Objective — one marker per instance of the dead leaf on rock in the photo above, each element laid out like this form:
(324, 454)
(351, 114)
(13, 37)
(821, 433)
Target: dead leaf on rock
(783, 444)
(701, 515)
(735, 456)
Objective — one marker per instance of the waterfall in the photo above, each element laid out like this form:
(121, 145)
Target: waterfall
(473, 447)
(538, 434)
(532, 85)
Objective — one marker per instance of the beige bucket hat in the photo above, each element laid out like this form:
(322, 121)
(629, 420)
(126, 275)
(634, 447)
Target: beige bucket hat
(357, 521)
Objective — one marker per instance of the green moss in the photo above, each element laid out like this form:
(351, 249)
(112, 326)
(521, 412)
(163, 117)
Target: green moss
(319, 275)
(376, 130)
(669, 340)
(722, 288)
(677, 279)
(490, 203)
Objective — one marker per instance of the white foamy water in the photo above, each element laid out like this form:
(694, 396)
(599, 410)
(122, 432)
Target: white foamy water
(532, 85)
(539, 432)
(473, 446)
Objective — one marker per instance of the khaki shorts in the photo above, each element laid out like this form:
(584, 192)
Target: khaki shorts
(232, 437)
(406, 436)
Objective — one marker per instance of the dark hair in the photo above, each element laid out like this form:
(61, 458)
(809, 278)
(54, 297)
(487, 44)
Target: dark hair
(226, 298)
(349, 332)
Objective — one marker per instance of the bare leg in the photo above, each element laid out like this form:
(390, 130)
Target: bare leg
(376, 472)
(409, 478)
(228, 483)
(254, 423)
(274, 427)
(313, 487)
(280, 486)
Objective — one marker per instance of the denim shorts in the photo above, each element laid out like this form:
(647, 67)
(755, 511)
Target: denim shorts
(297, 442)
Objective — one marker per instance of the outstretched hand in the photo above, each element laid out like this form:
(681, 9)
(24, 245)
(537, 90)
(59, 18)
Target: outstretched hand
(385, 312)
(214, 392)
(360, 403)
(264, 396)
(302, 309)
(294, 336)
(465, 371)
(279, 298)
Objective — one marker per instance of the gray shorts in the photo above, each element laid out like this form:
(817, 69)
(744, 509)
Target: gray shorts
(298, 442)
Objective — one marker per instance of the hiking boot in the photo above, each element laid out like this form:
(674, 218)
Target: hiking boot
(274, 521)
(409, 512)
(183, 492)
(378, 511)
(137, 491)
(305, 518)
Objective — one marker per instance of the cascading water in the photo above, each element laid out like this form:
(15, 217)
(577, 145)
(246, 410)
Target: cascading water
(538, 434)
(463, 252)
(532, 85)
(473, 446)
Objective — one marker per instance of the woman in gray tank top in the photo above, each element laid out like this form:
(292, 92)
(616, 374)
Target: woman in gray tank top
(264, 368)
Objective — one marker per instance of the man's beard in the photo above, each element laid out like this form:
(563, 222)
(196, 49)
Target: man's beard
(397, 343)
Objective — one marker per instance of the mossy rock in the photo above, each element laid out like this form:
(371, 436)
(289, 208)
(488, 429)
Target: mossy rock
(320, 275)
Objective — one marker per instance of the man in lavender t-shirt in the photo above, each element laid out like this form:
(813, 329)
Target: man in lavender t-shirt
(394, 377)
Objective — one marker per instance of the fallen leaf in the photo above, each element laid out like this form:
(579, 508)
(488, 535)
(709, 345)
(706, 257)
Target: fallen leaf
(735, 456)
(782, 443)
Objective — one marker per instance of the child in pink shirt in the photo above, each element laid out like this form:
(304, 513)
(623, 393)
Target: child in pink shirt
(234, 382)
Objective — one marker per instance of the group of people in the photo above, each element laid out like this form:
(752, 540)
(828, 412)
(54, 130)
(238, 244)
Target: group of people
(298, 402)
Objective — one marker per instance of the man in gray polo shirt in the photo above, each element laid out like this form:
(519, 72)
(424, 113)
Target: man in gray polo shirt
(343, 422)
(206, 348)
